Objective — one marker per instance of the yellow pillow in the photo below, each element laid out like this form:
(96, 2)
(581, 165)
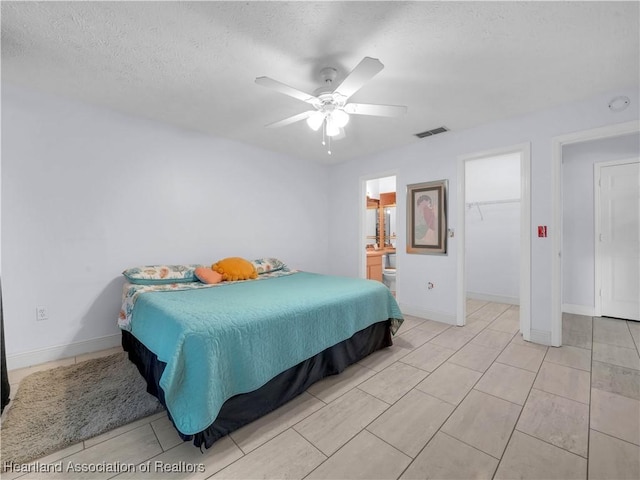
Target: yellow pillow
(235, 268)
(206, 275)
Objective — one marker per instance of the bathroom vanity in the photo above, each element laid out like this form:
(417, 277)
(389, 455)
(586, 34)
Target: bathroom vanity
(375, 262)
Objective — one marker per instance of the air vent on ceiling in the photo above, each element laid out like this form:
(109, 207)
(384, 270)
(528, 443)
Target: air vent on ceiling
(435, 131)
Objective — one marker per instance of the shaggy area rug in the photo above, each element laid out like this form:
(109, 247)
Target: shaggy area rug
(63, 406)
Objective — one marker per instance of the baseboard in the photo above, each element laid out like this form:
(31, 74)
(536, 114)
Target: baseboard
(493, 298)
(542, 337)
(49, 354)
(586, 310)
(427, 314)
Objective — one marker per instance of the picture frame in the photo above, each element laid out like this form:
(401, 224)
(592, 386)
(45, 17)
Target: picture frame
(427, 218)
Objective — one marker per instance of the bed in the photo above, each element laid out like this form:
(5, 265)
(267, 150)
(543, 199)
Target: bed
(220, 356)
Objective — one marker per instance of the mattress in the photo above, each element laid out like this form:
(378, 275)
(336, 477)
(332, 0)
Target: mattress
(217, 343)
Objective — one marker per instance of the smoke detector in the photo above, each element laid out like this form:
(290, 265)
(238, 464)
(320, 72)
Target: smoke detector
(619, 104)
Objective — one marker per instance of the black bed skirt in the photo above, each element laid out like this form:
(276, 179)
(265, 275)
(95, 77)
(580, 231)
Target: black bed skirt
(247, 407)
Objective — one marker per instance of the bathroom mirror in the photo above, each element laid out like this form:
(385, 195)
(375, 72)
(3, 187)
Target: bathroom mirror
(390, 225)
(380, 221)
(371, 226)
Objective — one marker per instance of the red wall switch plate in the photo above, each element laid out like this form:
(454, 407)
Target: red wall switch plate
(542, 231)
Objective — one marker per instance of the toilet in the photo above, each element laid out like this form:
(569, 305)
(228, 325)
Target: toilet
(389, 271)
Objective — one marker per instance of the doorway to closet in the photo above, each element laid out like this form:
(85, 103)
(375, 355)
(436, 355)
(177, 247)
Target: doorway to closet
(494, 246)
(492, 229)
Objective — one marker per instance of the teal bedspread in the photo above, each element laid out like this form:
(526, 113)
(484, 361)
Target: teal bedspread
(220, 342)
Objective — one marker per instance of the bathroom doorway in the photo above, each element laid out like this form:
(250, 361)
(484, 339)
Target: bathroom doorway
(380, 227)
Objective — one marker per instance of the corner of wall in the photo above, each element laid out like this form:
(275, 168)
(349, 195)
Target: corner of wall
(427, 314)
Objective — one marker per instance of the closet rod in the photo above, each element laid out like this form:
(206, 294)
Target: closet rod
(490, 202)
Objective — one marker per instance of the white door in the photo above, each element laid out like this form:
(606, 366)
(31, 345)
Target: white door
(619, 239)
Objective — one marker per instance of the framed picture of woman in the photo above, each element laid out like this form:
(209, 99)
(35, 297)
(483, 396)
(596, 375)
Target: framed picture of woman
(427, 217)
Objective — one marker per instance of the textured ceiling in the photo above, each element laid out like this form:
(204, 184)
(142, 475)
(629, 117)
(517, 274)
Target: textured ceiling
(193, 64)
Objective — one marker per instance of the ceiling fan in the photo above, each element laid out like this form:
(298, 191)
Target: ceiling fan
(331, 110)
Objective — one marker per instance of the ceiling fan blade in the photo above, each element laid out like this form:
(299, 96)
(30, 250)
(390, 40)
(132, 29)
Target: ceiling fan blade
(290, 120)
(287, 90)
(376, 110)
(360, 75)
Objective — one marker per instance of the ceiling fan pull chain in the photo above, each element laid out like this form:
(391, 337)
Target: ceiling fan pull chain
(324, 136)
(324, 128)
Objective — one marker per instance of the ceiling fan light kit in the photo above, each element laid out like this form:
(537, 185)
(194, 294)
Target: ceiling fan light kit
(332, 128)
(332, 112)
(315, 120)
(340, 118)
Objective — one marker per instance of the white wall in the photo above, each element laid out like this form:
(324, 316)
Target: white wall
(373, 189)
(87, 192)
(493, 229)
(377, 186)
(493, 178)
(435, 158)
(493, 252)
(578, 247)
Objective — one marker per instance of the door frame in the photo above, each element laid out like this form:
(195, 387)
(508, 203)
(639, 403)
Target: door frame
(597, 172)
(363, 216)
(557, 143)
(524, 149)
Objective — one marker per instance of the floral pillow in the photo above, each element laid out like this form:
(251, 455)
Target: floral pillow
(266, 265)
(161, 274)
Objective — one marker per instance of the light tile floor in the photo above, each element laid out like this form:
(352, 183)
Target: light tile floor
(443, 402)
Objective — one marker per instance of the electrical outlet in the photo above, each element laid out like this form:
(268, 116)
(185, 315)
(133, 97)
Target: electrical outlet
(42, 313)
